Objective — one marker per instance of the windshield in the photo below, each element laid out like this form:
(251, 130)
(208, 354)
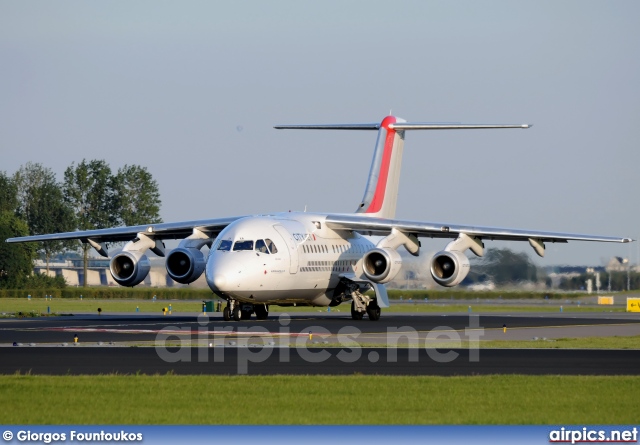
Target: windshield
(271, 246)
(224, 245)
(261, 246)
(243, 245)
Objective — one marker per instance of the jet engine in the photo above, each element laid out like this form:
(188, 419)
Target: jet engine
(129, 268)
(449, 268)
(381, 265)
(185, 264)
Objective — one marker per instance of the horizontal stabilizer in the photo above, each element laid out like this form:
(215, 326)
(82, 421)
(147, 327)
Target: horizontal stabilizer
(428, 126)
(402, 126)
(375, 126)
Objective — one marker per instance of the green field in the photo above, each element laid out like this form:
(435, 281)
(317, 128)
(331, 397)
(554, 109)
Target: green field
(356, 399)
(191, 293)
(74, 305)
(70, 306)
(617, 342)
(632, 342)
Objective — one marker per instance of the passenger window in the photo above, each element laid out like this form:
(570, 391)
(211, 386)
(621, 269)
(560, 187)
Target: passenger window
(261, 246)
(271, 246)
(224, 245)
(243, 245)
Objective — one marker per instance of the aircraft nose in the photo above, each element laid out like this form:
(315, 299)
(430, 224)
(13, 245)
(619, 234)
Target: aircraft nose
(222, 273)
(219, 281)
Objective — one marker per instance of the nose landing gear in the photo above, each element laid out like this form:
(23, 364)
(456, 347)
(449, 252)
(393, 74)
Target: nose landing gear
(243, 311)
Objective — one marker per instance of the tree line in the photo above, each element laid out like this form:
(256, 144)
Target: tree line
(502, 267)
(90, 196)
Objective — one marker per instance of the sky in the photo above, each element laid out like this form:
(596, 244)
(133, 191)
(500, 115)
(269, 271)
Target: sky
(192, 89)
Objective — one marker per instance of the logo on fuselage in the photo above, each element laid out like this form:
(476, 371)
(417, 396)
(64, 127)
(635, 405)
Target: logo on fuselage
(301, 237)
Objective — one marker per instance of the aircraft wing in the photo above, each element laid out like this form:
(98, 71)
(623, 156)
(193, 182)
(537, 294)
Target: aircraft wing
(161, 231)
(381, 226)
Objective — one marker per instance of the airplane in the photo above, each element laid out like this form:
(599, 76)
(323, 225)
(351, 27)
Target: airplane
(311, 259)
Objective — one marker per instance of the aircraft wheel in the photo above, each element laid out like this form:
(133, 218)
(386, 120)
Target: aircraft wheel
(373, 311)
(246, 315)
(237, 313)
(355, 314)
(262, 311)
(226, 314)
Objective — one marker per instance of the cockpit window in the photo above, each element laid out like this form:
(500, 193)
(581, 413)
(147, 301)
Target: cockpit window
(272, 247)
(243, 245)
(261, 246)
(224, 245)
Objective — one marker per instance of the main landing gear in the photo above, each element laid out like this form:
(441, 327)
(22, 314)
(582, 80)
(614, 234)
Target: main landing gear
(362, 303)
(243, 311)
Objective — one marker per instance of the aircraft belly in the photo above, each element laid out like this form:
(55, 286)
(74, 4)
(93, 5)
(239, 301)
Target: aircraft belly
(287, 289)
(288, 296)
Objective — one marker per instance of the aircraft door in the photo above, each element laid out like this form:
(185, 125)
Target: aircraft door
(291, 246)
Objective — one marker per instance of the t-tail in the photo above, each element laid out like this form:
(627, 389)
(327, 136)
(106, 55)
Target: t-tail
(381, 193)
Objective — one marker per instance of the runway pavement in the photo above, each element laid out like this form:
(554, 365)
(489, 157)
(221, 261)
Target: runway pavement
(323, 344)
(314, 361)
(395, 329)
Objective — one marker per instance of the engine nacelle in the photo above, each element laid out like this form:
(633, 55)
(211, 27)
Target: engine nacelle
(381, 265)
(449, 268)
(185, 264)
(129, 268)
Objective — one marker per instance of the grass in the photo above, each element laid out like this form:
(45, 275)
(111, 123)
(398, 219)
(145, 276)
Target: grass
(69, 305)
(480, 307)
(172, 399)
(191, 293)
(616, 342)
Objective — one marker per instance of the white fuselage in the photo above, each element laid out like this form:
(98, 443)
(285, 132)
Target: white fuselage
(304, 268)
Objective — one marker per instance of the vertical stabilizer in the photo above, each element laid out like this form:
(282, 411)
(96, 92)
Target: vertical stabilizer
(381, 194)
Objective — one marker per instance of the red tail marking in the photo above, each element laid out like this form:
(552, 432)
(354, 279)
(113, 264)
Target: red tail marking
(381, 186)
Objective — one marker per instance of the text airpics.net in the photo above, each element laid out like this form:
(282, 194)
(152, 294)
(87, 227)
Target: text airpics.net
(173, 343)
(592, 435)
